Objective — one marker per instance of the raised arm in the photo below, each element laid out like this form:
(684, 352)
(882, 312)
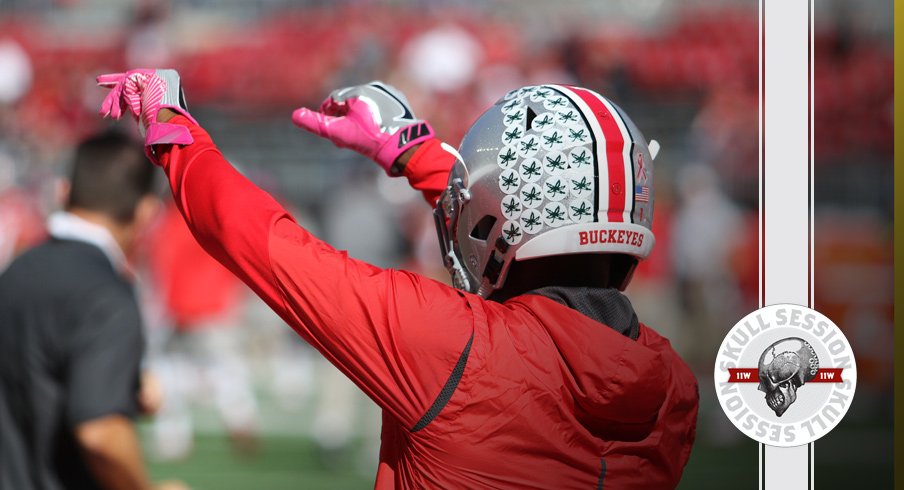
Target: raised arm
(396, 335)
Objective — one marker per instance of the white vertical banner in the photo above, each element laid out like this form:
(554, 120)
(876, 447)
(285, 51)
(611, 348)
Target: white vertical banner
(786, 192)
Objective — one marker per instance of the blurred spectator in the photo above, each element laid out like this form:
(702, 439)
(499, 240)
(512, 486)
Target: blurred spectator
(15, 71)
(704, 229)
(724, 134)
(204, 352)
(71, 338)
(443, 59)
(21, 223)
(147, 44)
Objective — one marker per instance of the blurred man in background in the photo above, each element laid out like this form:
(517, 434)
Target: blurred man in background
(71, 339)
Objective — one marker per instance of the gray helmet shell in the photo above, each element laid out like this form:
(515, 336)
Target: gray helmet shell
(547, 170)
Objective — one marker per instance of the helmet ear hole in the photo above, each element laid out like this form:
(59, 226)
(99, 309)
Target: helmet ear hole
(482, 229)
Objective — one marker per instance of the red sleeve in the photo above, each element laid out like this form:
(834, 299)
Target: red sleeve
(428, 170)
(397, 335)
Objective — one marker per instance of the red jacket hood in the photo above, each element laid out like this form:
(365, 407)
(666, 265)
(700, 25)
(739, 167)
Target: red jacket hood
(618, 384)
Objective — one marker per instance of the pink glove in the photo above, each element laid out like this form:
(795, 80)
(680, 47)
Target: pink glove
(373, 119)
(144, 92)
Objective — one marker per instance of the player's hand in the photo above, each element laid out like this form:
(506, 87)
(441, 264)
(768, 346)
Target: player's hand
(373, 119)
(150, 396)
(144, 93)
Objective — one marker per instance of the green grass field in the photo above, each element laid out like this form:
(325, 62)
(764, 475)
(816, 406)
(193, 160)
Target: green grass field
(282, 463)
(294, 463)
(290, 462)
(857, 453)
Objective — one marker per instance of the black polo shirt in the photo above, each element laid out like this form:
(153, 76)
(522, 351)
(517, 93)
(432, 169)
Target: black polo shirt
(70, 346)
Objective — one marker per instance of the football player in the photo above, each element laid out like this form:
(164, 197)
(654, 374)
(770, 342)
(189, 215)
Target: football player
(533, 371)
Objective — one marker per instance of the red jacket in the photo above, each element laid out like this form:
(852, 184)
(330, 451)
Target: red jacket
(475, 394)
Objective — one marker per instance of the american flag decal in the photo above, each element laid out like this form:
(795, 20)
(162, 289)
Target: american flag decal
(642, 193)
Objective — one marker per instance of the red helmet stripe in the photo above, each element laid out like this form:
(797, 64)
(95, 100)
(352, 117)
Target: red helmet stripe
(614, 154)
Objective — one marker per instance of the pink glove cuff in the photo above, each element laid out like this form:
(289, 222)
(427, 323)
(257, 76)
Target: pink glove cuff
(400, 142)
(168, 134)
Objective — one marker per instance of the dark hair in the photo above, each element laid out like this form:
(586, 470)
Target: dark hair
(110, 174)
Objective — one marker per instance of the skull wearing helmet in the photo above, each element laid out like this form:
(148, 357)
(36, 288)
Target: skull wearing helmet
(784, 367)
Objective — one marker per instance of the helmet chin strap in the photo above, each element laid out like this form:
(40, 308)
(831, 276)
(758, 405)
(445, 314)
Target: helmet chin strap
(447, 214)
(459, 277)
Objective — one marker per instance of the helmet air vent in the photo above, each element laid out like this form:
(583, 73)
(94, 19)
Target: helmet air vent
(483, 228)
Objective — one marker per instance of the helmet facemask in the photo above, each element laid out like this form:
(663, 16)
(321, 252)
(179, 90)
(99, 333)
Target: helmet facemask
(446, 216)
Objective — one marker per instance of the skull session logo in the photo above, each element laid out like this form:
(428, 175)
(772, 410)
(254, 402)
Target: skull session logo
(785, 375)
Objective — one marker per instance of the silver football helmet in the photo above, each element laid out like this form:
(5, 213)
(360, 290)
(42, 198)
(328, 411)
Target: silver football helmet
(548, 170)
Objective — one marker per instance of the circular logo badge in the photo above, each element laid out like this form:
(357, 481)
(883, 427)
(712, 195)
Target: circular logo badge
(785, 375)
